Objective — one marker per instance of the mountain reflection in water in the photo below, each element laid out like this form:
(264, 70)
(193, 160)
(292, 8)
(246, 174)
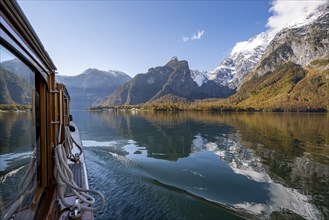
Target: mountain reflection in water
(192, 165)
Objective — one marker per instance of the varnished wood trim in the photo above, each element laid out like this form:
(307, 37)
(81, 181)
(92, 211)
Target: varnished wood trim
(13, 16)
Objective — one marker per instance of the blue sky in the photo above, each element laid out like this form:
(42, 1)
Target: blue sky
(133, 36)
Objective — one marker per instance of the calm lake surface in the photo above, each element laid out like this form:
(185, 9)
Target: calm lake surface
(197, 165)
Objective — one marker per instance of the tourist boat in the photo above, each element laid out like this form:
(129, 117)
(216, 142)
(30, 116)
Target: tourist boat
(48, 178)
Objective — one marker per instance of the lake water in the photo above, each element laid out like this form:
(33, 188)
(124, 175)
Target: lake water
(200, 165)
(196, 165)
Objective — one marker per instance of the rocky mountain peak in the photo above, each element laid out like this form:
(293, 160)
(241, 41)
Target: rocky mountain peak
(300, 45)
(175, 64)
(173, 81)
(246, 55)
(200, 77)
(174, 59)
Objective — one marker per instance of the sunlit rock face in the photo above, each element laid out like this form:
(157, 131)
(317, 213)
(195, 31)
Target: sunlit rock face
(171, 82)
(296, 43)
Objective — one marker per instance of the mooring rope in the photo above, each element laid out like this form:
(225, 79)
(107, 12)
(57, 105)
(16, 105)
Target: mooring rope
(65, 178)
(68, 143)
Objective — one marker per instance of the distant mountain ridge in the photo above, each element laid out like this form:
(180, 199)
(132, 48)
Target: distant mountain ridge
(91, 85)
(281, 71)
(14, 89)
(92, 77)
(84, 89)
(171, 81)
(285, 70)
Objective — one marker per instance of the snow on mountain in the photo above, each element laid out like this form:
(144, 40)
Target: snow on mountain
(244, 57)
(247, 47)
(199, 77)
(246, 54)
(293, 14)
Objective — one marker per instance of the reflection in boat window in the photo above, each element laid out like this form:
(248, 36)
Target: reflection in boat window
(18, 139)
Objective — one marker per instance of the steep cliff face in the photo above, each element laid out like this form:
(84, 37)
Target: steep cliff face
(299, 45)
(246, 55)
(179, 82)
(144, 86)
(170, 82)
(293, 73)
(243, 59)
(155, 83)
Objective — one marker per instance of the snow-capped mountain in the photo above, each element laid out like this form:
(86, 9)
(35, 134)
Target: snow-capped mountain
(245, 55)
(199, 77)
(243, 58)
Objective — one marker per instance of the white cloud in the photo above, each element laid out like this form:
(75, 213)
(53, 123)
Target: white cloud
(195, 36)
(185, 39)
(198, 35)
(263, 38)
(285, 14)
(288, 13)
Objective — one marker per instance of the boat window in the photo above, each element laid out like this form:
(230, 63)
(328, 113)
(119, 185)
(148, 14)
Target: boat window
(19, 148)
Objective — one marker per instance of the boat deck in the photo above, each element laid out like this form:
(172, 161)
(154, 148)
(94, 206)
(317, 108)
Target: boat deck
(79, 169)
(80, 177)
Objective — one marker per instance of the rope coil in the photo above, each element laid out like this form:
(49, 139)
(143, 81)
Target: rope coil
(68, 143)
(65, 178)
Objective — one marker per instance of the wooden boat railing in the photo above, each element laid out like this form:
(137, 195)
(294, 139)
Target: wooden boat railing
(40, 193)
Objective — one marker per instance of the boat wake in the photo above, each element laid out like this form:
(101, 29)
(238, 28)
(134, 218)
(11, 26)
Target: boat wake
(129, 178)
(131, 190)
